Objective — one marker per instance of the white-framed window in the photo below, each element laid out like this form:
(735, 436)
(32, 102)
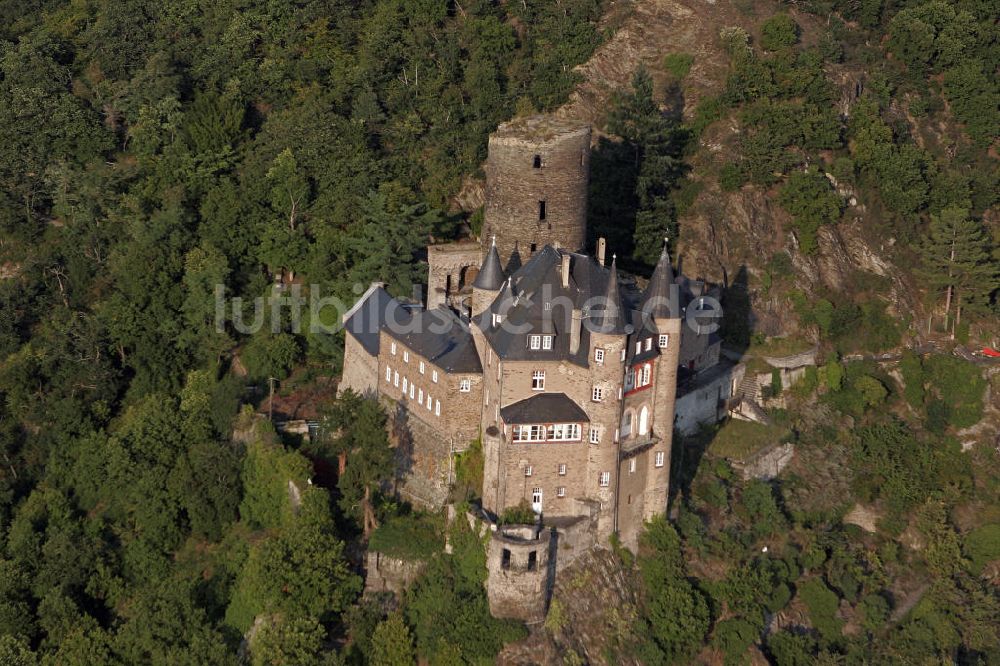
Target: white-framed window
(465, 385)
(529, 433)
(422, 367)
(528, 470)
(623, 354)
(563, 432)
(599, 355)
(429, 402)
(406, 384)
(631, 466)
(392, 349)
(538, 380)
(562, 469)
(411, 390)
(664, 341)
(437, 408)
(649, 343)
(434, 376)
(597, 394)
(420, 395)
(388, 374)
(546, 342)
(534, 342)
(605, 479)
(658, 458)
(644, 375)
(497, 319)
(406, 357)
(395, 378)
(561, 491)
(638, 346)
(595, 434)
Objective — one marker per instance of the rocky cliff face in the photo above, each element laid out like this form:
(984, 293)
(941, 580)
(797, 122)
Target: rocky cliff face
(722, 232)
(590, 620)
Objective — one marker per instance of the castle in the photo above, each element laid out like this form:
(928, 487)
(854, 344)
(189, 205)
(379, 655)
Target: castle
(567, 372)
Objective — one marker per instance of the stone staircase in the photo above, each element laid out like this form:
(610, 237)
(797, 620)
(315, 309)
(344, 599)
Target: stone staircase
(749, 388)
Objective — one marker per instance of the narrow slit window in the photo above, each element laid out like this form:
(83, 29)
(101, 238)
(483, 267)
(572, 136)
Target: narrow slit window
(537, 162)
(541, 210)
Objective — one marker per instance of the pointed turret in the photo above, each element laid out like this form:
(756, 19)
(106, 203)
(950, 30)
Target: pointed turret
(491, 276)
(611, 317)
(514, 262)
(658, 301)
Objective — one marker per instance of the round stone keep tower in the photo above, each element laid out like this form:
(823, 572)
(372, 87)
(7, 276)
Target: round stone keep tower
(537, 173)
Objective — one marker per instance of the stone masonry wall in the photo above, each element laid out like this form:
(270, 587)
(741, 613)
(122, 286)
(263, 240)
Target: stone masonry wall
(515, 186)
(360, 368)
(390, 574)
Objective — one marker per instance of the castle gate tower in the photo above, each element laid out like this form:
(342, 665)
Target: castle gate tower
(537, 173)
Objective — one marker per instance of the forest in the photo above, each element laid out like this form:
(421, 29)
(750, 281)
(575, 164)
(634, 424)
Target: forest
(150, 152)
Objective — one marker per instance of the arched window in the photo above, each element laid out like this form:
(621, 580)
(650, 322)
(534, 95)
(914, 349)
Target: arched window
(643, 420)
(627, 424)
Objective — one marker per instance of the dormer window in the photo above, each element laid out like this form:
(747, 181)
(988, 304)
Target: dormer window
(537, 162)
(534, 342)
(546, 342)
(638, 347)
(649, 343)
(497, 319)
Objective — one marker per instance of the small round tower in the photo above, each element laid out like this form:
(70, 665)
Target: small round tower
(537, 173)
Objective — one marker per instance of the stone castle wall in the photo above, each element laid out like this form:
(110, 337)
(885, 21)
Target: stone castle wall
(360, 368)
(531, 161)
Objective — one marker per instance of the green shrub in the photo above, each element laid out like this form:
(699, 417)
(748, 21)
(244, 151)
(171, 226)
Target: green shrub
(518, 515)
(912, 370)
(960, 385)
(416, 536)
(731, 177)
(822, 604)
(779, 32)
(733, 637)
(788, 649)
(678, 64)
(982, 545)
(875, 610)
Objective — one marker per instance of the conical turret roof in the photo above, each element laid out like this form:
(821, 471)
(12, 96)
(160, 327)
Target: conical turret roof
(491, 276)
(611, 317)
(658, 301)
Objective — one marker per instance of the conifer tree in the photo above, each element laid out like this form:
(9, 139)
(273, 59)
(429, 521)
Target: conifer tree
(957, 259)
(392, 644)
(658, 144)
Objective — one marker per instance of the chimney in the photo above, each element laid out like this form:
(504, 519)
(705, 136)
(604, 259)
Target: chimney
(574, 331)
(602, 245)
(565, 271)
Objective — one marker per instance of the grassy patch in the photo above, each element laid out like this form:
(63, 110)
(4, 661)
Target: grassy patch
(739, 440)
(778, 347)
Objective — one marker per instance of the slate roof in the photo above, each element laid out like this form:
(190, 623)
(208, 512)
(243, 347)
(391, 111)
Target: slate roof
(438, 335)
(491, 276)
(544, 408)
(535, 302)
(364, 320)
(662, 297)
